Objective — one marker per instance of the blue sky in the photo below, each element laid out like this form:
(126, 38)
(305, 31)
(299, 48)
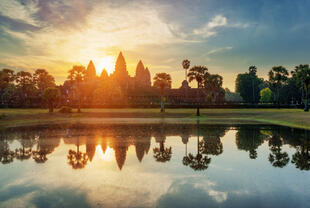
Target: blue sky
(225, 35)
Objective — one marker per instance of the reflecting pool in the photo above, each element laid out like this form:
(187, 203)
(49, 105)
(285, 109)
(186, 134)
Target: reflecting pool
(154, 165)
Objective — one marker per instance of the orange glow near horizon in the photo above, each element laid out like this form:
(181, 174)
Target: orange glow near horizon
(106, 62)
(107, 155)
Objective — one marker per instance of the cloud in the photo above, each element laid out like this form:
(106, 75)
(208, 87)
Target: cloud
(217, 50)
(209, 29)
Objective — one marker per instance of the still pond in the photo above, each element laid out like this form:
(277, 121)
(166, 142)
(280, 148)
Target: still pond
(154, 165)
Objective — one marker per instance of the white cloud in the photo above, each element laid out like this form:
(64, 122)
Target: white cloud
(15, 10)
(217, 50)
(209, 29)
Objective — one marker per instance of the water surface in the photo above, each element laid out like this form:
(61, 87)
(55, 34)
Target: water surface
(159, 165)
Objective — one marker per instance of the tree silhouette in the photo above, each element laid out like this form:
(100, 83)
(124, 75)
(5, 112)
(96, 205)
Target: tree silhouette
(301, 158)
(198, 73)
(43, 80)
(6, 155)
(199, 161)
(277, 78)
(27, 139)
(277, 158)
(249, 139)
(162, 154)
(77, 76)
(25, 85)
(186, 64)
(162, 81)
(77, 159)
(303, 77)
(51, 95)
(45, 146)
(213, 83)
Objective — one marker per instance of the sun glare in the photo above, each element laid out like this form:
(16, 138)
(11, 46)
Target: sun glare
(107, 62)
(107, 155)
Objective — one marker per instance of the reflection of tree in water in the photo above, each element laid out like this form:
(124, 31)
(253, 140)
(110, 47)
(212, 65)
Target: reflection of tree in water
(47, 143)
(185, 133)
(162, 154)
(277, 158)
(27, 139)
(211, 143)
(199, 161)
(6, 155)
(301, 158)
(77, 159)
(249, 139)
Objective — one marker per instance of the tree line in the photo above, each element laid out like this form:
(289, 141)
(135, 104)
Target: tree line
(282, 87)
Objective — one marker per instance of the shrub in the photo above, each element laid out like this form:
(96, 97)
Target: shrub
(265, 95)
(65, 109)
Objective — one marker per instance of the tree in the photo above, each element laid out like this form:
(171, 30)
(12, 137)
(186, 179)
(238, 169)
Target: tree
(277, 158)
(77, 159)
(277, 78)
(249, 139)
(248, 85)
(265, 95)
(186, 64)
(77, 76)
(162, 81)
(162, 154)
(51, 95)
(8, 93)
(213, 83)
(7, 78)
(200, 161)
(43, 80)
(25, 85)
(198, 73)
(303, 78)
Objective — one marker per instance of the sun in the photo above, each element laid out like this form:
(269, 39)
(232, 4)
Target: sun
(107, 62)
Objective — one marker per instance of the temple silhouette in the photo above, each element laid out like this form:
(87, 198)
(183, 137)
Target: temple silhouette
(127, 90)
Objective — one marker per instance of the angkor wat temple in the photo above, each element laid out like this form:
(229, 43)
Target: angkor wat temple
(138, 90)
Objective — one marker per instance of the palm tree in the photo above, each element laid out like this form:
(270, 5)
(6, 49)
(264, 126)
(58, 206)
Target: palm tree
(77, 159)
(162, 154)
(162, 81)
(77, 76)
(303, 78)
(198, 162)
(186, 63)
(277, 78)
(198, 73)
(213, 83)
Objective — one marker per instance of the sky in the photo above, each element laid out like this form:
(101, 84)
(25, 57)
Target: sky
(227, 36)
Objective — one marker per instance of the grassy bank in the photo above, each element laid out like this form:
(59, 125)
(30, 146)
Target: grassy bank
(285, 117)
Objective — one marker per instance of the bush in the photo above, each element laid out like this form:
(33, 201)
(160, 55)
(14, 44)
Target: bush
(265, 95)
(65, 109)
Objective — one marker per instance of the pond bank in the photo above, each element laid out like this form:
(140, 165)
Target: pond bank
(285, 117)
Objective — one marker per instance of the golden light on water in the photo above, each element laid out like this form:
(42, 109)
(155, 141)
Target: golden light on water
(107, 155)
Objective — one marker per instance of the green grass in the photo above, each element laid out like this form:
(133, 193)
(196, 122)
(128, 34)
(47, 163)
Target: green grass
(285, 117)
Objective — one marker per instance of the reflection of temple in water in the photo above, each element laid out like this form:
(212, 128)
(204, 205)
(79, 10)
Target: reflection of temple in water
(38, 143)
